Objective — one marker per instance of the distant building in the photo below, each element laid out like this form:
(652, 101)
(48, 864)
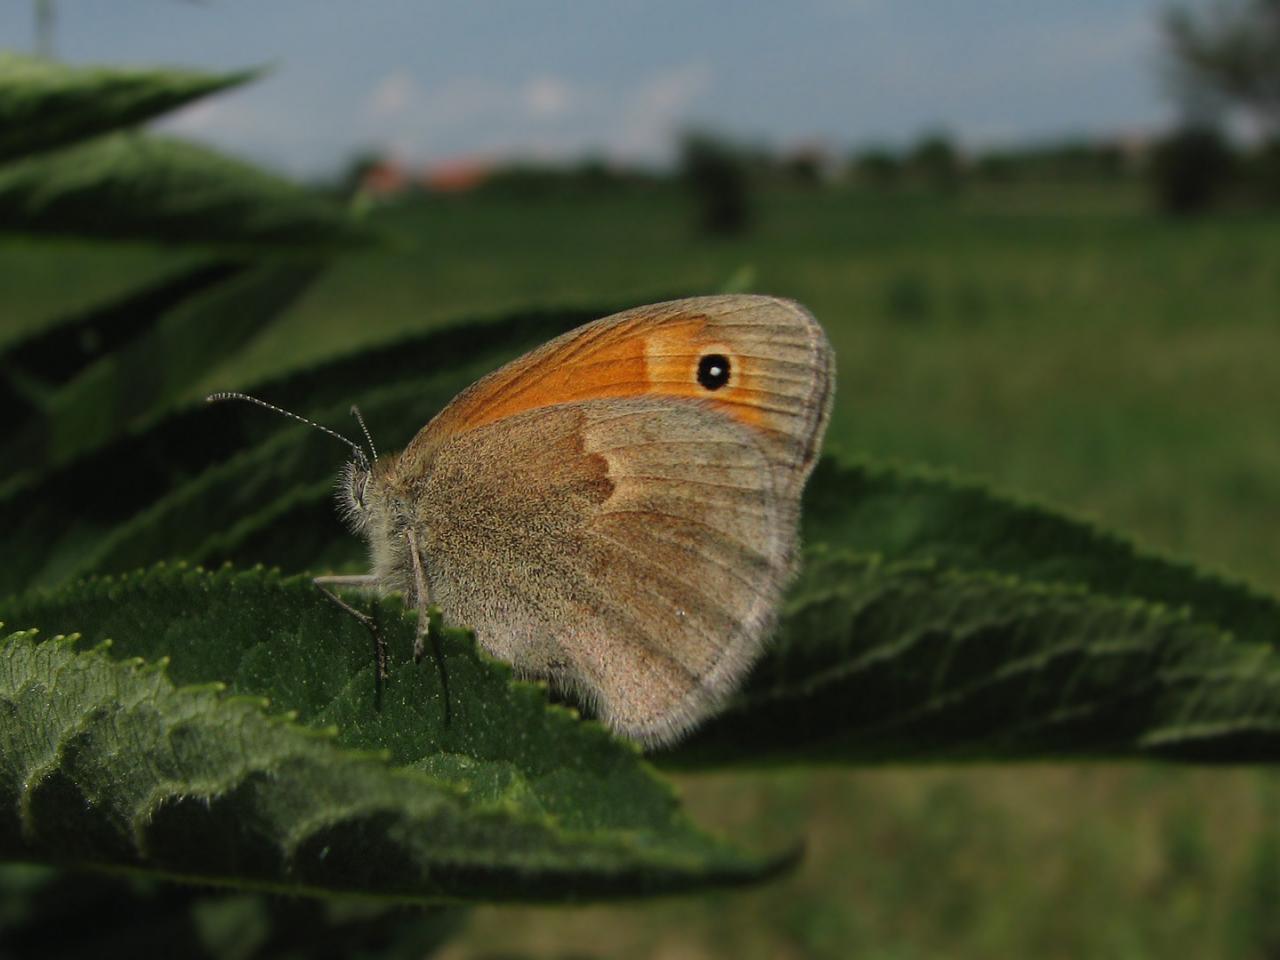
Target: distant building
(455, 176)
(385, 178)
(1134, 147)
(811, 162)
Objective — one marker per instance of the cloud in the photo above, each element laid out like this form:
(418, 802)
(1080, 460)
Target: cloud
(542, 115)
(653, 112)
(393, 94)
(260, 130)
(213, 118)
(1115, 39)
(463, 115)
(547, 97)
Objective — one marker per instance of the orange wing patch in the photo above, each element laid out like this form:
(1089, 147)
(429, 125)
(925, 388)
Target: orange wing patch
(672, 355)
(779, 368)
(622, 356)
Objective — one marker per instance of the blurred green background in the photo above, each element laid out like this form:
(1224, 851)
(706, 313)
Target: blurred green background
(1064, 323)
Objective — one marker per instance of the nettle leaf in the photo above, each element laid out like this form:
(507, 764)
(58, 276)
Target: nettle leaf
(176, 767)
(54, 354)
(34, 368)
(143, 377)
(880, 662)
(51, 914)
(916, 514)
(46, 104)
(159, 190)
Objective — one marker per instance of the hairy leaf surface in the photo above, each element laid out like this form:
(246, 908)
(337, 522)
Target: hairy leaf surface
(176, 764)
(916, 514)
(880, 662)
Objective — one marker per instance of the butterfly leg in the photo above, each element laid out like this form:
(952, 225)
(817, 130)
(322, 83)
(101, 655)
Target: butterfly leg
(423, 599)
(367, 583)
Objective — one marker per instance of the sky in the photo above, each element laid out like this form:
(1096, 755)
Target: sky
(433, 82)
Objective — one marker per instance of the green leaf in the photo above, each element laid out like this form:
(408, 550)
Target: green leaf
(158, 190)
(907, 662)
(50, 914)
(38, 298)
(45, 104)
(160, 768)
(53, 355)
(141, 379)
(34, 368)
(916, 514)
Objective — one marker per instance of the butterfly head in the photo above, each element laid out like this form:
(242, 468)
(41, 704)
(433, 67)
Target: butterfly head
(357, 484)
(362, 487)
(353, 493)
(362, 492)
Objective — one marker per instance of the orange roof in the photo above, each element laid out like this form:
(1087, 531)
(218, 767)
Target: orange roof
(455, 176)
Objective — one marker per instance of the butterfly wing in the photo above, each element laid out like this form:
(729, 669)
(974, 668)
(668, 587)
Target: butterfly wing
(617, 509)
(632, 549)
(774, 373)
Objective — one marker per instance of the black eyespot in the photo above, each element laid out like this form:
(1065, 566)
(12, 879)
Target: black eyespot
(713, 371)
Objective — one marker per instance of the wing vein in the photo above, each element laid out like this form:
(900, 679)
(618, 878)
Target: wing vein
(718, 534)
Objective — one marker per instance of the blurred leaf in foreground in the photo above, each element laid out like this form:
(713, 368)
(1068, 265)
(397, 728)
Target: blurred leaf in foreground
(45, 104)
(51, 914)
(159, 190)
(144, 376)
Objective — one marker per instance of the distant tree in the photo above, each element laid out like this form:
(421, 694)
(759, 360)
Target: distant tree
(593, 173)
(876, 167)
(1224, 53)
(716, 173)
(804, 166)
(1000, 166)
(357, 169)
(1229, 49)
(1190, 169)
(1263, 171)
(1067, 160)
(935, 160)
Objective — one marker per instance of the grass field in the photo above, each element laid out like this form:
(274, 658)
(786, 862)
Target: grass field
(1063, 344)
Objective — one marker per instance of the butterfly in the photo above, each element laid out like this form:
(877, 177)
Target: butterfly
(616, 511)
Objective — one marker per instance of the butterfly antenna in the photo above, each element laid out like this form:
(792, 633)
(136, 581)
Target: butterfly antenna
(355, 412)
(231, 395)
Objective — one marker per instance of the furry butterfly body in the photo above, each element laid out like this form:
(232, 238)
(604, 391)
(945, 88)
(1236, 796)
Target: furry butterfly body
(616, 511)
